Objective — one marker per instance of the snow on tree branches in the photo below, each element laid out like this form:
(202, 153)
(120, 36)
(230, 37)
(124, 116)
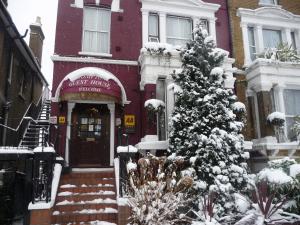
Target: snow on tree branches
(204, 128)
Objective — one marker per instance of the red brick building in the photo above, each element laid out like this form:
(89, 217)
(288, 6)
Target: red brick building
(102, 73)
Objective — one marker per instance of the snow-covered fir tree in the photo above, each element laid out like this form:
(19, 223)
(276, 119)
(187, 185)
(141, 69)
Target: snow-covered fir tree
(204, 128)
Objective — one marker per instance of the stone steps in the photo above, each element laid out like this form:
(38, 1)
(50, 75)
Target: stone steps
(86, 198)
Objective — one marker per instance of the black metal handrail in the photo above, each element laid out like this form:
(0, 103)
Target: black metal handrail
(43, 167)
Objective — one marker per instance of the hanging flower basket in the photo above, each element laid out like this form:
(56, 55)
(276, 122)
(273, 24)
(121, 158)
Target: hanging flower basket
(154, 106)
(276, 119)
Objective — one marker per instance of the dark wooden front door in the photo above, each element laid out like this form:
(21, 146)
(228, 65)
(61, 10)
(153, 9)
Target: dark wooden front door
(90, 136)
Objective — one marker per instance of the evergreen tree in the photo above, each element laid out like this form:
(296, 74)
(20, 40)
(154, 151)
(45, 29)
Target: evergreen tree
(204, 128)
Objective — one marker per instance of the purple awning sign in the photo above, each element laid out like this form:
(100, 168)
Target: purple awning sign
(91, 84)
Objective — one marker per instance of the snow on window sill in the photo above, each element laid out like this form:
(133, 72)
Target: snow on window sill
(95, 54)
(270, 143)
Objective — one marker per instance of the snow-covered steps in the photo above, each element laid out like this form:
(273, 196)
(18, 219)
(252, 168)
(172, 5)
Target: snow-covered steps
(86, 198)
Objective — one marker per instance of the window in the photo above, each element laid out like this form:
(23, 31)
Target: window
(204, 24)
(252, 46)
(23, 81)
(153, 28)
(161, 116)
(292, 109)
(294, 46)
(179, 30)
(272, 38)
(96, 30)
(268, 2)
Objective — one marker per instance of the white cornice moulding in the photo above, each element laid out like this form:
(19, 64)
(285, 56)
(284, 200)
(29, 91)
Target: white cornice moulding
(263, 74)
(269, 16)
(189, 8)
(57, 58)
(115, 5)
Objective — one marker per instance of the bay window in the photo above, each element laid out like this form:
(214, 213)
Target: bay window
(292, 109)
(272, 38)
(179, 30)
(153, 27)
(96, 30)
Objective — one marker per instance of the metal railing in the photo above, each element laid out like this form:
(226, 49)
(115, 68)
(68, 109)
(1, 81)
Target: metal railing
(43, 166)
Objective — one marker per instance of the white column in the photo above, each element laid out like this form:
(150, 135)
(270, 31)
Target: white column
(71, 106)
(288, 36)
(163, 27)
(115, 6)
(212, 29)
(111, 108)
(279, 100)
(257, 115)
(145, 17)
(195, 22)
(297, 38)
(247, 60)
(259, 38)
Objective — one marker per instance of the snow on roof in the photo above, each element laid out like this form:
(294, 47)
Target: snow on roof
(160, 48)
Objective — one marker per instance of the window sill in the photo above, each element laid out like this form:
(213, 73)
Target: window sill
(95, 54)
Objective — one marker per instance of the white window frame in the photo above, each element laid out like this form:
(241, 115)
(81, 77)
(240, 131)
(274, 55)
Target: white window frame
(253, 47)
(152, 38)
(205, 23)
(294, 41)
(192, 9)
(262, 18)
(180, 38)
(276, 30)
(274, 2)
(293, 88)
(95, 53)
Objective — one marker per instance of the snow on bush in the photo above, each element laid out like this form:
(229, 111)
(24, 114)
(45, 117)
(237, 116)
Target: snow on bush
(276, 118)
(158, 194)
(274, 176)
(282, 53)
(159, 49)
(176, 88)
(296, 127)
(295, 170)
(217, 73)
(275, 195)
(283, 164)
